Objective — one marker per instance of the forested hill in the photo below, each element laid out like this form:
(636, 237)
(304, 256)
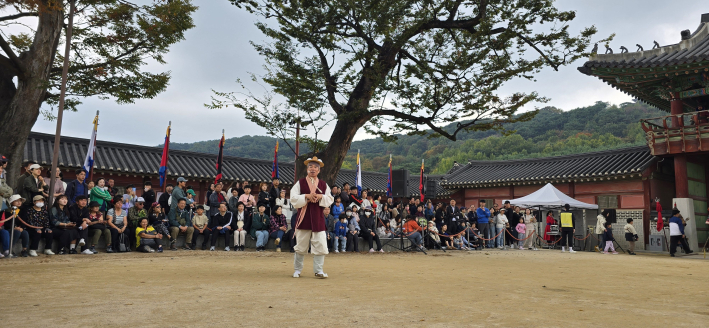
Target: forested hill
(552, 132)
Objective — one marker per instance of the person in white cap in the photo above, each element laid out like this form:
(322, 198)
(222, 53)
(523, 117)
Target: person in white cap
(310, 195)
(12, 223)
(33, 185)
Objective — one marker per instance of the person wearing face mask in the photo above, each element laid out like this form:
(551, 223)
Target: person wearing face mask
(368, 228)
(38, 226)
(354, 229)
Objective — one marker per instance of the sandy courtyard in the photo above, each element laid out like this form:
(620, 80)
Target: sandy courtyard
(495, 288)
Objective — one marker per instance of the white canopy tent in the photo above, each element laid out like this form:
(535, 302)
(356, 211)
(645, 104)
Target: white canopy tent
(548, 197)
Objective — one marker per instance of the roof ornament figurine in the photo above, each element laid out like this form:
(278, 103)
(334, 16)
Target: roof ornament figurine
(608, 49)
(623, 49)
(686, 34)
(595, 49)
(656, 45)
(640, 48)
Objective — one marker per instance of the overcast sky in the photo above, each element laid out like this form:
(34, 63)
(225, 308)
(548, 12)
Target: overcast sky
(217, 52)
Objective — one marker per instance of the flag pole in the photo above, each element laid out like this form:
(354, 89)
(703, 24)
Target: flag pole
(60, 115)
(91, 169)
(169, 132)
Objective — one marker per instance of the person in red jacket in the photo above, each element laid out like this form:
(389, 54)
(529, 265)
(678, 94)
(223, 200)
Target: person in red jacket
(413, 231)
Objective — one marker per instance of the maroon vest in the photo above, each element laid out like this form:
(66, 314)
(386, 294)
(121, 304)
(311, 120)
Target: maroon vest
(314, 219)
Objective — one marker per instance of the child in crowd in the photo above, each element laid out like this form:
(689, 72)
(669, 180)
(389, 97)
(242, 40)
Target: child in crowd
(630, 236)
(341, 234)
(200, 222)
(608, 237)
(521, 232)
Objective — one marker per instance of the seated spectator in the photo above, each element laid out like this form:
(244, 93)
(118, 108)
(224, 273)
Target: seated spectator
(383, 231)
(330, 227)
(432, 238)
(259, 228)
(136, 213)
(284, 203)
(181, 223)
(290, 234)
(100, 195)
(354, 228)
(116, 220)
(200, 222)
(129, 197)
(341, 234)
(148, 239)
(64, 228)
(368, 227)
(337, 207)
(413, 231)
(79, 214)
(13, 213)
(159, 221)
(395, 225)
(239, 227)
(278, 226)
(446, 240)
(97, 227)
(38, 226)
(221, 226)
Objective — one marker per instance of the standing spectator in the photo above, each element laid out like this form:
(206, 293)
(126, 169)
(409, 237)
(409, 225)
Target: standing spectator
(500, 224)
(79, 214)
(100, 195)
(117, 221)
(483, 215)
(64, 228)
(59, 188)
(212, 187)
(354, 228)
(135, 213)
(530, 221)
(337, 207)
(181, 223)
(148, 195)
(21, 180)
(233, 200)
(284, 203)
(429, 212)
(164, 199)
(5, 189)
(33, 185)
(264, 198)
(345, 195)
(341, 234)
(521, 230)
(177, 194)
(111, 188)
(368, 230)
(129, 197)
(200, 222)
(240, 229)
(234, 187)
(630, 236)
(13, 213)
(568, 220)
(413, 232)
(452, 212)
(412, 208)
(278, 226)
(259, 227)
(510, 230)
(677, 234)
(335, 190)
(608, 237)
(550, 221)
(248, 199)
(217, 197)
(354, 198)
(274, 193)
(91, 185)
(329, 226)
(147, 238)
(97, 227)
(600, 229)
(38, 225)
(221, 225)
(439, 216)
(77, 187)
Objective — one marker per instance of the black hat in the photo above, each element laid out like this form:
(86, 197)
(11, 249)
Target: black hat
(675, 212)
(94, 204)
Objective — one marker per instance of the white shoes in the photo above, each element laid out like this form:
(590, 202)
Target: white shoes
(321, 275)
(226, 248)
(87, 252)
(337, 251)
(563, 249)
(48, 252)
(33, 253)
(381, 251)
(211, 248)
(344, 251)
(82, 242)
(571, 250)
(296, 274)
(521, 248)
(371, 250)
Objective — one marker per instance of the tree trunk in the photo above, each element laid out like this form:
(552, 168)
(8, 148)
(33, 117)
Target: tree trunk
(334, 154)
(19, 106)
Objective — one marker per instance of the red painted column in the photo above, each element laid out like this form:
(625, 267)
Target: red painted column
(681, 183)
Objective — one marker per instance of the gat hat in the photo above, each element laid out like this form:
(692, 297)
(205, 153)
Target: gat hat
(94, 204)
(181, 179)
(35, 166)
(191, 192)
(314, 159)
(36, 198)
(675, 212)
(140, 200)
(14, 198)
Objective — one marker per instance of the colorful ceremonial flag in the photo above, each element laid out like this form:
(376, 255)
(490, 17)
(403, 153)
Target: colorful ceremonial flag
(422, 192)
(91, 151)
(219, 160)
(660, 223)
(389, 191)
(163, 161)
(274, 168)
(358, 178)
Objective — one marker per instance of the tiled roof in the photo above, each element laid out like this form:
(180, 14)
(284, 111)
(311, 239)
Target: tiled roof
(624, 162)
(693, 49)
(144, 160)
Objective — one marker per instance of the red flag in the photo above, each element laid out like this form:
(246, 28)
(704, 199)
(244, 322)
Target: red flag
(660, 224)
(219, 160)
(421, 186)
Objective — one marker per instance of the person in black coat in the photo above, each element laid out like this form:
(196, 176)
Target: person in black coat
(264, 198)
(163, 201)
(148, 193)
(451, 218)
(274, 193)
(368, 232)
(77, 187)
(510, 231)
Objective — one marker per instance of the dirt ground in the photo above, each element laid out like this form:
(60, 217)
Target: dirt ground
(483, 288)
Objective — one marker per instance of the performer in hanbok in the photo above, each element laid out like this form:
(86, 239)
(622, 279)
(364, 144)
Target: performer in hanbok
(310, 195)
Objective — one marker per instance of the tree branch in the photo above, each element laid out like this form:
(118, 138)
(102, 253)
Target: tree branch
(556, 67)
(16, 16)
(75, 68)
(330, 84)
(13, 57)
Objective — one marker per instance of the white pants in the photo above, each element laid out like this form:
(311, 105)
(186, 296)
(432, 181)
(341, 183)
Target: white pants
(239, 238)
(317, 242)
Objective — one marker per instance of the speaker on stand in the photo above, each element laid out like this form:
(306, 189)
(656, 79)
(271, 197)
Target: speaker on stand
(400, 183)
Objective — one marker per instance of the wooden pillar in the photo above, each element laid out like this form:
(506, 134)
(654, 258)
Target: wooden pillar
(681, 180)
(676, 108)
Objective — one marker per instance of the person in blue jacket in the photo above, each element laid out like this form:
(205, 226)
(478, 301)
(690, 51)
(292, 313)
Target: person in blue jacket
(341, 233)
(677, 233)
(483, 214)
